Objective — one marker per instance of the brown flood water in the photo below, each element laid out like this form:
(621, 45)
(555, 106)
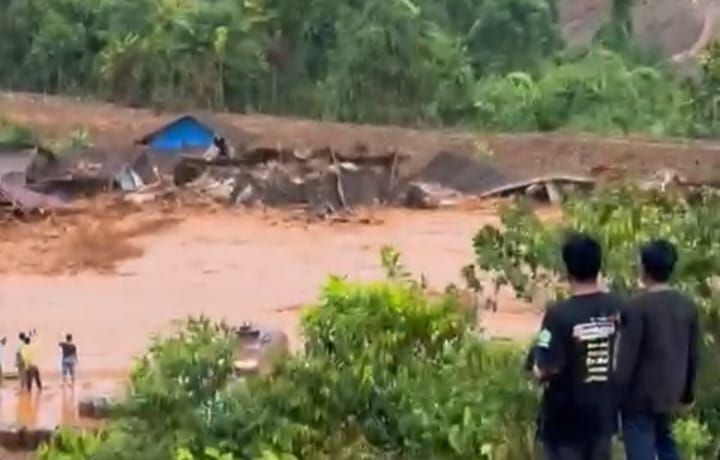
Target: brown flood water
(233, 266)
(55, 405)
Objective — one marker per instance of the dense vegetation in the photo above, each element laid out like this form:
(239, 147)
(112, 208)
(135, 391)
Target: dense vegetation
(493, 64)
(391, 371)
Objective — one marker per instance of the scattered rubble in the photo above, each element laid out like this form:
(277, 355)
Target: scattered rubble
(18, 198)
(318, 180)
(662, 180)
(422, 195)
(208, 158)
(258, 349)
(96, 407)
(14, 437)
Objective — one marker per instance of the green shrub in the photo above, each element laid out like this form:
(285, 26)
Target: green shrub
(693, 438)
(70, 445)
(346, 324)
(388, 373)
(171, 385)
(13, 133)
(524, 255)
(598, 91)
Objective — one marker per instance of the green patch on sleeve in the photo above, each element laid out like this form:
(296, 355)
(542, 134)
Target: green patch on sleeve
(544, 339)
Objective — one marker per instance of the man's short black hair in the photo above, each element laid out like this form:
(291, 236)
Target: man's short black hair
(658, 259)
(68, 338)
(582, 255)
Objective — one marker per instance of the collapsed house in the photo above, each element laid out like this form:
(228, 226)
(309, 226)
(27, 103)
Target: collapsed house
(205, 154)
(15, 157)
(208, 155)
(325, 180)
(15, 195)
(195, 135)
(18, 197)
(170, 149)
(90, 170)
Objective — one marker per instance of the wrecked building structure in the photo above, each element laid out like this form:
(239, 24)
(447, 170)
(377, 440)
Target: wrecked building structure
(15, 194)
(195, 135)
(259, 161)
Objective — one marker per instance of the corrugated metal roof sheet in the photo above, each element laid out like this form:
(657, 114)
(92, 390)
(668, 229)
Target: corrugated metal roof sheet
(236, 135)
(14, 191)
(463, 173)
(15, 161)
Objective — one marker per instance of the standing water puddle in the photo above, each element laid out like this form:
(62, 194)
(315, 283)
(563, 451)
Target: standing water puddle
(56, 405)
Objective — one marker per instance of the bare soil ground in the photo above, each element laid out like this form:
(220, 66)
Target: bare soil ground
(96, 238)
(5, 455)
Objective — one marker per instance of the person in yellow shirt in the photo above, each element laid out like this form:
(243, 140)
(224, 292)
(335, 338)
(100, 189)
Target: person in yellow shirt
(19, 361)
(32, 372)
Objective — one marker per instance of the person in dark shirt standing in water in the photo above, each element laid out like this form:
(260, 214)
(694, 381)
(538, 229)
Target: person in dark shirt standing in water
(69, 359)
(657, 357)
(573, 358)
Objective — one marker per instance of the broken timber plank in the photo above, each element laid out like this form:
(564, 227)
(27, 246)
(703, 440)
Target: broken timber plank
(521, 185)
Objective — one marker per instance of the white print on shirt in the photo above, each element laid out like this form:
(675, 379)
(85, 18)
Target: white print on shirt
(595, 338)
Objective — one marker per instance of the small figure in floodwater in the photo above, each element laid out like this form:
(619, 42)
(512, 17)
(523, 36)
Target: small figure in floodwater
(32, 371)
(19, 363)
(69, 359)
(3, 342)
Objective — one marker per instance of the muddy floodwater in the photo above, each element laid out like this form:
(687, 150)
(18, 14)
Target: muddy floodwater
(56, 404)
(236, 267)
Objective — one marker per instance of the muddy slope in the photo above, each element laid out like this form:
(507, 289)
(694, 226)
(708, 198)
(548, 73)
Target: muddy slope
(672, 25)
(513, 155)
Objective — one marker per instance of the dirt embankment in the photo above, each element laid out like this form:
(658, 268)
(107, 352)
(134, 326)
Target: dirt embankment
(520, 156)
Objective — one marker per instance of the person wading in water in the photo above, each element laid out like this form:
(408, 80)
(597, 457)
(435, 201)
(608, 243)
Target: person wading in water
(69, 359)
(32, 372)
(19, 363)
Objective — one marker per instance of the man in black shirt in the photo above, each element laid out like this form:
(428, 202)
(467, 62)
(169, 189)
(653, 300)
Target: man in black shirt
(574, 359)
(657, 359)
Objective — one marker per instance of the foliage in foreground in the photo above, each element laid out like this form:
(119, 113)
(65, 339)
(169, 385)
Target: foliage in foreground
(526, 256)
(388, 373)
